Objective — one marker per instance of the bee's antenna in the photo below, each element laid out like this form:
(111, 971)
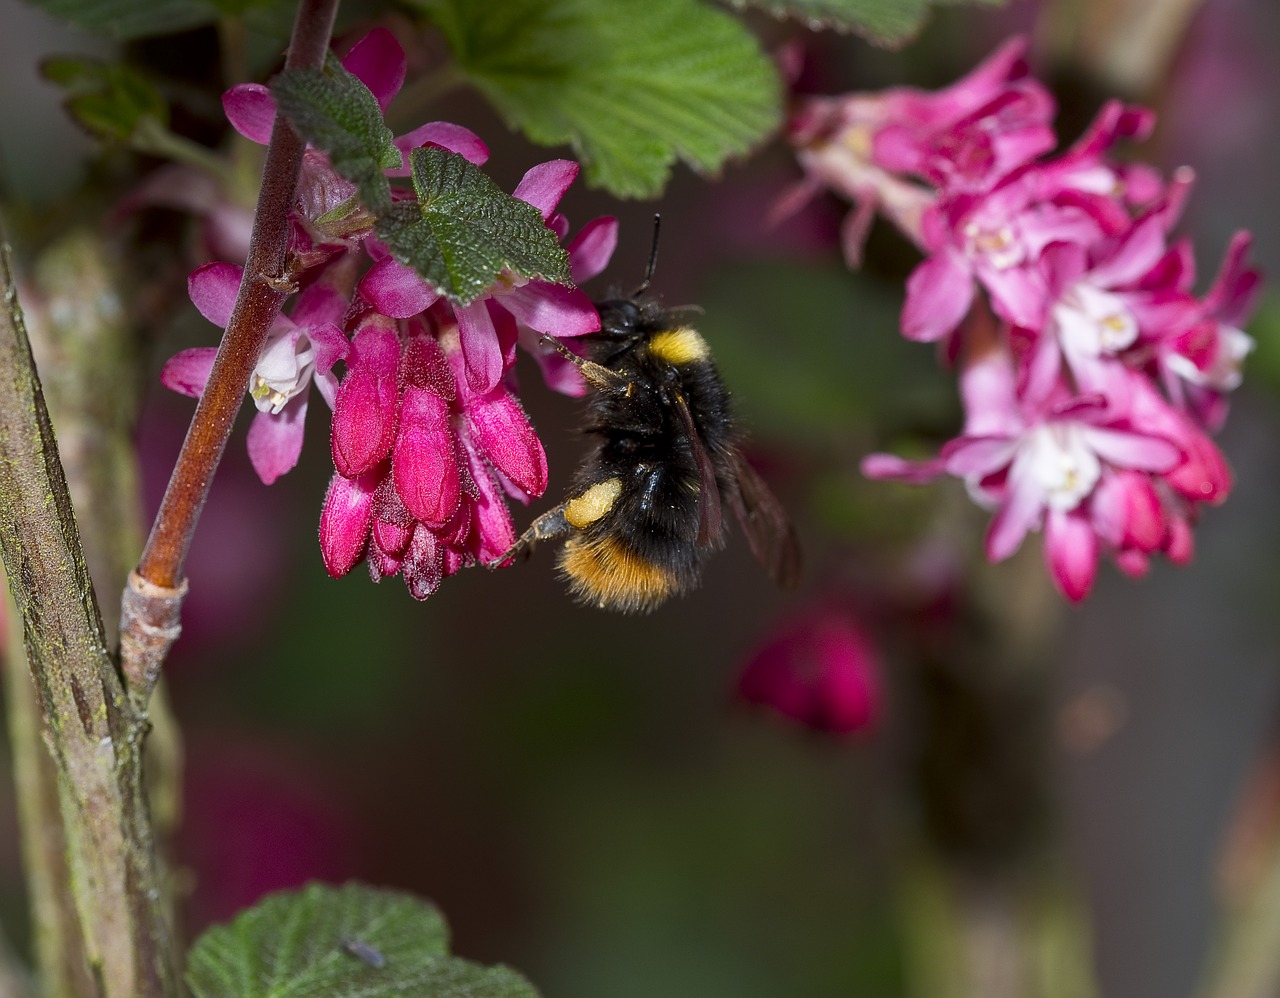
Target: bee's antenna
(653, 258)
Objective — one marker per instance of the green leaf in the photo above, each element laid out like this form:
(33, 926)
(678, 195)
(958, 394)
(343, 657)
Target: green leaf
(631, 85)
(464, 230)
(111, 100)
(340, 942)
(886, 22)
(128, 19)
(336, 113)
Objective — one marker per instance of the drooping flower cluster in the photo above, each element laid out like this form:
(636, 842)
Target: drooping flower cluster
(427, 438)
(1090, 371)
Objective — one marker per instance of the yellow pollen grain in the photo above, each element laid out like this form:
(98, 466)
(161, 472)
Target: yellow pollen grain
(587, 508)
(857, 139)
(605, 573)
(679, 346)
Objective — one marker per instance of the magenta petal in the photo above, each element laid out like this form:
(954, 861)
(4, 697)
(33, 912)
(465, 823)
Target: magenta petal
(424, 464)
(939, 293)
(364, 415)
(344, 521)
(559, 374)
(1020, 513)
(446, 135)
(505, 436)
(552, 308)
(544, 185)
(591, 249)
(321, 302)
(251, 110)
(977, 457)
(1071, 550)
(378, 61)
(891, 467)
(1132, 450)
(213, 288)
(396, 290)
(481, 350)
(187, 372)
(423, 566)
(275, 441)
(494, 533)
(330, 343)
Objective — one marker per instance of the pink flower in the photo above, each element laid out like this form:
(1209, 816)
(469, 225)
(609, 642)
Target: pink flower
(963, 138)
(398, 291)
(1039, 467)
(423, 459)
(1201, 361)
(819, 670)
(1054, 283)
(300, 349)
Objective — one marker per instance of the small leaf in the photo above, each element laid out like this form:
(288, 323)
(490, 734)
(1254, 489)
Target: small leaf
(128, 19)
(464, 230)
(885, 22)
(631, 85)
(340, 942)
(335, 112)
(108, 99)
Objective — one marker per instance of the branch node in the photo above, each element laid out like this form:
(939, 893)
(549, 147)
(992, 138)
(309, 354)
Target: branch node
(150, 622)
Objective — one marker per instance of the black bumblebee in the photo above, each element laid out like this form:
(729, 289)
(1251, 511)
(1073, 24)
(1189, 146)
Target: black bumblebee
(646, 505)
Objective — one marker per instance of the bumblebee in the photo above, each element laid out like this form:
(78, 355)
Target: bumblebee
(646, 507)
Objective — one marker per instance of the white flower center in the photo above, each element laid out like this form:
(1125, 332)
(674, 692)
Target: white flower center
(999, 244)
(284, 370)
(1060, 462)
(1093, 322)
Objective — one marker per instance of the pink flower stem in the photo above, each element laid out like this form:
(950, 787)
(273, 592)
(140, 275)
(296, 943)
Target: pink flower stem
(158, 579)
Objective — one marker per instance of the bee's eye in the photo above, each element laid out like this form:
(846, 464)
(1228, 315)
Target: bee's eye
(619, 316)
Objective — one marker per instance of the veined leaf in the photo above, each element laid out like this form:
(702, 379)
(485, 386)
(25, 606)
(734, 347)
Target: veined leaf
(340, 942)
(464, 230)
(335, 112)
(885, 22)
(631, 85)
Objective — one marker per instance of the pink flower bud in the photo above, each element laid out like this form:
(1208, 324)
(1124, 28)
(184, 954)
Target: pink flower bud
(819, 670)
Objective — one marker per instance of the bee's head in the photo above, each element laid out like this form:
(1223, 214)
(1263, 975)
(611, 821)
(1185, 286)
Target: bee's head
(620, 316)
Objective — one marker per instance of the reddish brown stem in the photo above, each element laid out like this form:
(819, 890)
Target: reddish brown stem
(262, 292)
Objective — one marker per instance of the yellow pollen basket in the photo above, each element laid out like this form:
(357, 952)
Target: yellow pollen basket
(589, 507)
(679, 346)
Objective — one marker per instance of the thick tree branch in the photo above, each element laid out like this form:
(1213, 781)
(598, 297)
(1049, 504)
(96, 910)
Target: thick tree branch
(91, 730)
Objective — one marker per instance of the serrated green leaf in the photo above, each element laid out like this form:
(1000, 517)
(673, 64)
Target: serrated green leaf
(885, 22)
(129, 19)
(108, 99)
(631, 85)
(335, 112)
(340, 942)
(464, 230)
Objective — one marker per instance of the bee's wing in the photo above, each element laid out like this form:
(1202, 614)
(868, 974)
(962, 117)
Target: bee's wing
(769, 530)
(710, 521)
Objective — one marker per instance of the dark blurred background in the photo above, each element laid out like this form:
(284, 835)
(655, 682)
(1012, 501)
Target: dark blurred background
(582, 794)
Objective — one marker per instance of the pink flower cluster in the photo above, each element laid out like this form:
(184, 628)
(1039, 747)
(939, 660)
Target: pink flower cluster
(427, 437)
(1090, 371)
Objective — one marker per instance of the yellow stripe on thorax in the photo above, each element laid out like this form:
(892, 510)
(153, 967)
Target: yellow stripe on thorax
(679, 346)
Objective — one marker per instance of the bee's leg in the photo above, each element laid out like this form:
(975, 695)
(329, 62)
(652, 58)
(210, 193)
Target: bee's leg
(599, 376)
(548, 526)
